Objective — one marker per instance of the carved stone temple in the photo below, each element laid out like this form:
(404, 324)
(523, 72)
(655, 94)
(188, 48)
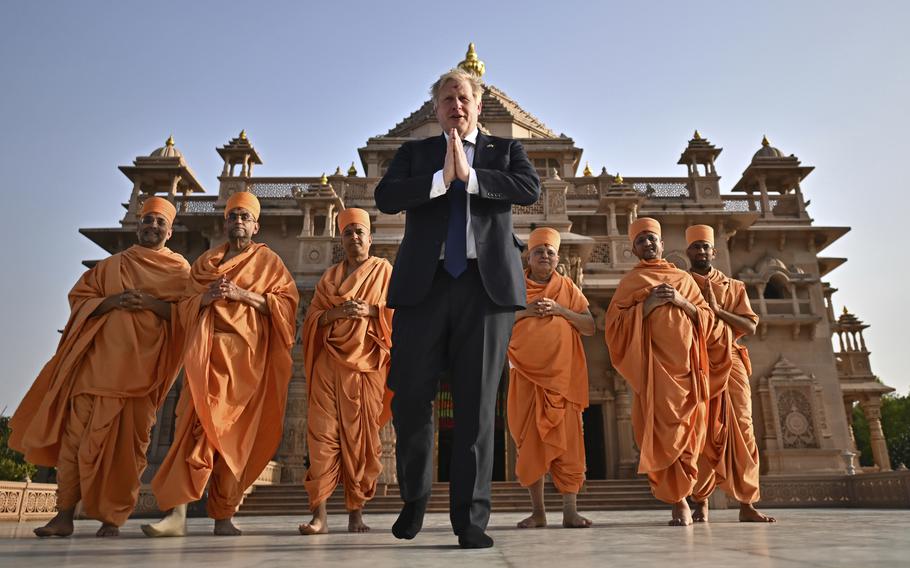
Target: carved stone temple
(810, 366)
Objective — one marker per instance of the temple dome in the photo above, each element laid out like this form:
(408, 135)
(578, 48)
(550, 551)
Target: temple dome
(167, 151)
(767, 150)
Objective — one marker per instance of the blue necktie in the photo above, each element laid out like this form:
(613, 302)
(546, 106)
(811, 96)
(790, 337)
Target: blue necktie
(456, 260)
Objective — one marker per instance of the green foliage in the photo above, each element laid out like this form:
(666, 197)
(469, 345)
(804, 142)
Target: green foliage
(896, 426)
(13, 466)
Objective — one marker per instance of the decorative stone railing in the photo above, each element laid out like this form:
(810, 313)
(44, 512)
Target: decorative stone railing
(879, 490)
(27, 501)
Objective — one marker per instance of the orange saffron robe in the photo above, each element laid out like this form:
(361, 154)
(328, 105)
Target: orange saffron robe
(92, 407)
(548, 389)
(346, 363)
(237, 366)
(730, 459)
(663, 358)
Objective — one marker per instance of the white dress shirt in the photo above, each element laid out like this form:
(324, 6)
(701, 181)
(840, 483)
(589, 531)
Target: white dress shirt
(439, 188)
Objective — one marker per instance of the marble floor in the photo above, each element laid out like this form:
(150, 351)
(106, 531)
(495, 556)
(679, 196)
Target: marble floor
(801, 538)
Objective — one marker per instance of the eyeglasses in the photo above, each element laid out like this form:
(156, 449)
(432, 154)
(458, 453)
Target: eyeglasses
(243, 217)
(153, 220)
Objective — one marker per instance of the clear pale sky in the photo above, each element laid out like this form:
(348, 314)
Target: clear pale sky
(88, 86)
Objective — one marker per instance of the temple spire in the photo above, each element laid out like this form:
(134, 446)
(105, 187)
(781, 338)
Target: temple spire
(471, 63)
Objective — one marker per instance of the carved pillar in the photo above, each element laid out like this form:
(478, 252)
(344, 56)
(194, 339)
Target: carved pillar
(872, 409)
(389, 473)
(133, 208)
(292, 452)
(327, 230)
(172, 194)
(307, 230)
(765, 202)
(848, 410)
(794, 301)
(628, 460)
(762, 306)
(612, 229)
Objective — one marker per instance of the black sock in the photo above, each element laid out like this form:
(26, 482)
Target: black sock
(474, 537)
(410, 520)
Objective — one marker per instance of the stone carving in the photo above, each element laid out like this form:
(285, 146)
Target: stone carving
(796, 424)
(556, 202)
(793, 413)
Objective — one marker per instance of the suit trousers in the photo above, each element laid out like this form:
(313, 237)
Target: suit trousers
(457, 329)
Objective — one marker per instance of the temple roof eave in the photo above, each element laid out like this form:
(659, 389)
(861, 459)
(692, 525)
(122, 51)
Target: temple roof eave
(186, 174)
(772, 171)
(827, 234)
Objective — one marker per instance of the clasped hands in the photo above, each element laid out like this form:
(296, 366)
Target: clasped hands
(222, 289)
(544, 307)
(349, 309)
(456, 163)
(133, 300)
(665, 294)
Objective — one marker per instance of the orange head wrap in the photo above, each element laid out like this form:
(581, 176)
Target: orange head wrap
(161, 206)
(244, 200)
(643, 224)
(353, 215)
(700, 233)
(544, 236)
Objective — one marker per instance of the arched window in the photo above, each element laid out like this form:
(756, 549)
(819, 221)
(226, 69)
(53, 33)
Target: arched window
(777, 288)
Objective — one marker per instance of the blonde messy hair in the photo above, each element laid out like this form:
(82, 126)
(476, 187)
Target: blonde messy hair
(456, 74)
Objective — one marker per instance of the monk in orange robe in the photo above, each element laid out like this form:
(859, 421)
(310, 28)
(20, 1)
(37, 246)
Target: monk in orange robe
(90, 411)
(347, 335)
(239, 319)
(730, 457)
(656, 332)
(548, 382)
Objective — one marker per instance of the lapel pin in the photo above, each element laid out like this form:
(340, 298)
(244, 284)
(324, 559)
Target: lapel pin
(490, 146)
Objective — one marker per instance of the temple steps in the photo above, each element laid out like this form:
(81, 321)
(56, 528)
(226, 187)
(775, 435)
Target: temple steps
(508, 496)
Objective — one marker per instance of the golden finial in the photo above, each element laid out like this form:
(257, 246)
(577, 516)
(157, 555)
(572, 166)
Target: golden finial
(323, 180)
(697, 135)
(845, 310)
(338, 171)
(242, 135)
(764, 141)
(471, 63)
(587, 172)
(618, 179)
(170, 140)
(352, 171)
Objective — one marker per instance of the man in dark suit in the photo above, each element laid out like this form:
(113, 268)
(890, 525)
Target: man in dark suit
(455, 287)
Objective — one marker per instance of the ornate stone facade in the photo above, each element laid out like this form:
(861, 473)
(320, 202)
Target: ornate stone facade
(765, 237)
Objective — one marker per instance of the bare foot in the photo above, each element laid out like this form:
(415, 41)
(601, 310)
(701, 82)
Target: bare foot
(748, 514)
(225, 527)
(575, 521)
(682, 516)
(355, 522)
(700, 514)
(60, 525)
(173, 524)
(316, 526)
(108, 530)
(535, 521)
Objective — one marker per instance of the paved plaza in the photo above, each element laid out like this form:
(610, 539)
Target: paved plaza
(801, 538)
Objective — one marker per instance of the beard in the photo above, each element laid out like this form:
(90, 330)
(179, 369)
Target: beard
(151, 238)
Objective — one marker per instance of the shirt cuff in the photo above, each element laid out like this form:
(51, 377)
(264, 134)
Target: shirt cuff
(438, 187)
(472, 187)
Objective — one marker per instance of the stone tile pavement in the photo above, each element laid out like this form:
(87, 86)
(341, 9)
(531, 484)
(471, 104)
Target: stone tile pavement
(801, 538)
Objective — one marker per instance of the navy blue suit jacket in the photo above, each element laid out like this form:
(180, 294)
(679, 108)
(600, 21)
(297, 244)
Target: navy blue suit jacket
(505, 177)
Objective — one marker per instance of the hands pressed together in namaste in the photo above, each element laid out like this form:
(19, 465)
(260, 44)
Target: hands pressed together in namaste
(456, 162)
